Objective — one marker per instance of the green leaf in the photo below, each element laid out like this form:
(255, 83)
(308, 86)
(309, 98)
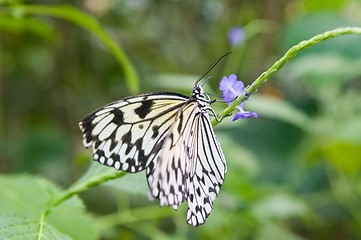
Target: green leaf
(240, 159)
(20, 227)
(276, 231)
(321, 4)
(10, 1)
(93, 170)
(344, 156)
(97, 171)
(132, 183)
(28, 196)
(320, 69)
(174, 82)
(348, 130)
(278, 109)
(89, 23)
(24, 194)
(279, 206)
(36, 27)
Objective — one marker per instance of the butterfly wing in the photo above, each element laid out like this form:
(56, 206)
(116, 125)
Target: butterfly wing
(168, 180)
(207, 171)
(128, 134)
(191, 165)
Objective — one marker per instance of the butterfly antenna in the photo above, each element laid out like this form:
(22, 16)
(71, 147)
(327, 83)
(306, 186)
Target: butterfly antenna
(214, 95)
(208, 79)
(211, 67)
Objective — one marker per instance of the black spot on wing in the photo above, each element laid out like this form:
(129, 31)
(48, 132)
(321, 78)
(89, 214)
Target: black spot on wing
(127, 137)
(155, 131)
(86, 122)
(131, 162)
(113, 144)
(198, 191)
(198, 208)
(171, 190)
(206, 200)
(144, 109)
(118, 116)
(150, 170)
(139, 143)
(129, 148)
(180, 123)
(113, 140)
(100, 154)
(115, 157)
(191, 197)
(210, 189)
(86, 126)
(171, 136)
(97, 144)
(142, 158)
(88, 136)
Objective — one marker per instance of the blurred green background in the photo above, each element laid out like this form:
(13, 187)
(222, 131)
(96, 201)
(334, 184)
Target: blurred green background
(293, 173)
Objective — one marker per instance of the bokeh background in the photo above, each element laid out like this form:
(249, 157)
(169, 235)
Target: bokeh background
(293, 173)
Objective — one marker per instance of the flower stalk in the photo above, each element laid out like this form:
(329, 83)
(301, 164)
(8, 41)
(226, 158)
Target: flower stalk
(280, 63)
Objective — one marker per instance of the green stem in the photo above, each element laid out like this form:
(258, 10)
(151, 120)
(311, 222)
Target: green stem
(41, 226)
(280, 63)
(75, 189)
(83, 186)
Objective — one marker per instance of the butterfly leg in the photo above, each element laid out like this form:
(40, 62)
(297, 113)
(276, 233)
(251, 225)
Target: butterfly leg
(216, 116)
(222, 101)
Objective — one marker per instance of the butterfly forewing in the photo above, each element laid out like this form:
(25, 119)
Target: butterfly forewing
(127, 134)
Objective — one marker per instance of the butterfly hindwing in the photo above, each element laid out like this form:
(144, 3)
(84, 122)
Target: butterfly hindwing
(191, 165)
(207, 171)
(128, 134)
(169, 179)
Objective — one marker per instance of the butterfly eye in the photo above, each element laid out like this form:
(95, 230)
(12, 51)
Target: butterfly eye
(198, 89)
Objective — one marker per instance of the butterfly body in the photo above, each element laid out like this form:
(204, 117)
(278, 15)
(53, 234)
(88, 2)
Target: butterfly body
(170, 136)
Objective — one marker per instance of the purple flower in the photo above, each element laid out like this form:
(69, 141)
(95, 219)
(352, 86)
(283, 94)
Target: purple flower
(236, 36)
(243, 114)
(232, 88)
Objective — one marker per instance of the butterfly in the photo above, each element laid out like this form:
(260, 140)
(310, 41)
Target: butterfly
(169, 135)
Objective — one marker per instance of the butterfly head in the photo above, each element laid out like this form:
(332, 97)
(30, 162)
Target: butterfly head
(199, 96)
(197, 90)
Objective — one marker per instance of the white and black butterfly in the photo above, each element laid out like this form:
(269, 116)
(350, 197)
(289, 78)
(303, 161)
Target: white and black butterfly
(171, 136)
